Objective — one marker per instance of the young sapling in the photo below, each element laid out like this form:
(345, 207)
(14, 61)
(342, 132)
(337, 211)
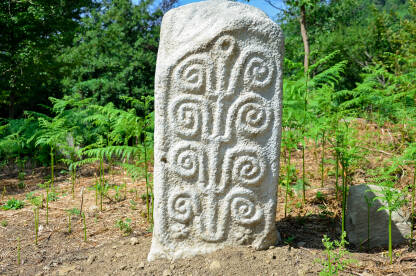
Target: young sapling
(47, 205)
(85, 227)
(394, 200)
(69, 222)
(36, 215)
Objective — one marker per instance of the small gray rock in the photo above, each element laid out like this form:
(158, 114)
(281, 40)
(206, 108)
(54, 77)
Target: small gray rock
(134, 241)
(141, 265)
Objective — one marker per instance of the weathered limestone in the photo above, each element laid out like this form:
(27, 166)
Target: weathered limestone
(217, 129)
(357, 215)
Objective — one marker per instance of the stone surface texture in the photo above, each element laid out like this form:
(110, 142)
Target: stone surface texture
(356, 218)
(218, 103)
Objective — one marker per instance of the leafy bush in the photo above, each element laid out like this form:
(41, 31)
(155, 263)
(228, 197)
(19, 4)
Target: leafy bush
(13, 204)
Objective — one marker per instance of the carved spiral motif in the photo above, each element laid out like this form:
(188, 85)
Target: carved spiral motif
(248, 169)
(244, 209)
(185, 159)
(186, 116)
(258, 72)
(191, 74)
(182, 206)
(253, 115)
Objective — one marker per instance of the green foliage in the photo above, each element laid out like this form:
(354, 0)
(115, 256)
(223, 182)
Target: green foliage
(335, 261)
(114, 55)
(33, 33)
(13, 204)
(4, 223)
(124, 225)
(52, 196)
(320, 197)
(34, 200)
(133, 204)
(392, 199)
(74, 211)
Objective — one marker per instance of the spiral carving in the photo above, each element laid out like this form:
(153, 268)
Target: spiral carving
(187, 116)
(253, 115)
(258, 71)
(191, 74)
(248, 168)
(182, 206)
(185, 159)
(244, 207)
(245, 165)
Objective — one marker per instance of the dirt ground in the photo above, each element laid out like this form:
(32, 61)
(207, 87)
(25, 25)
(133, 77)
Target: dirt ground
(110, 251)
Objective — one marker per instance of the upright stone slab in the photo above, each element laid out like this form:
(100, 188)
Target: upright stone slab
(218, 103)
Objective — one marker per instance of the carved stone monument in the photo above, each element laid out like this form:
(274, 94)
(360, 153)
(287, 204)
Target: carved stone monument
(218, 102)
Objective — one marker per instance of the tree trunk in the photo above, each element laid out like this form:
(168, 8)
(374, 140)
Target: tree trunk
(304, 33)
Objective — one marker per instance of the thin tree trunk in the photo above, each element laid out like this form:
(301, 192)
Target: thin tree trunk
(305, 39)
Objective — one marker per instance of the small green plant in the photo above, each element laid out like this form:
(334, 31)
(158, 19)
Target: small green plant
(320, 197)
(34, 200)
(21, 185)
(118, 189)
(4, 223)
(335, 260)
(74, 212)
(124, 226)
(394, 199)
(21, 177)
(44, 185)
(53, 196)
(289, 240)
(13, 204)
(133, 204)
(289, 143)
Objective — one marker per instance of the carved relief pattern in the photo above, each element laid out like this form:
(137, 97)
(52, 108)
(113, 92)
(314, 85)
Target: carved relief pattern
(217, 155)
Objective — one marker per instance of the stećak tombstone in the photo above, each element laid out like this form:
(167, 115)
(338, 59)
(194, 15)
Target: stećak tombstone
(218, 106)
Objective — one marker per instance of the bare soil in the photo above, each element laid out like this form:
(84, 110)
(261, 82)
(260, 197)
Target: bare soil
(110, 251)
